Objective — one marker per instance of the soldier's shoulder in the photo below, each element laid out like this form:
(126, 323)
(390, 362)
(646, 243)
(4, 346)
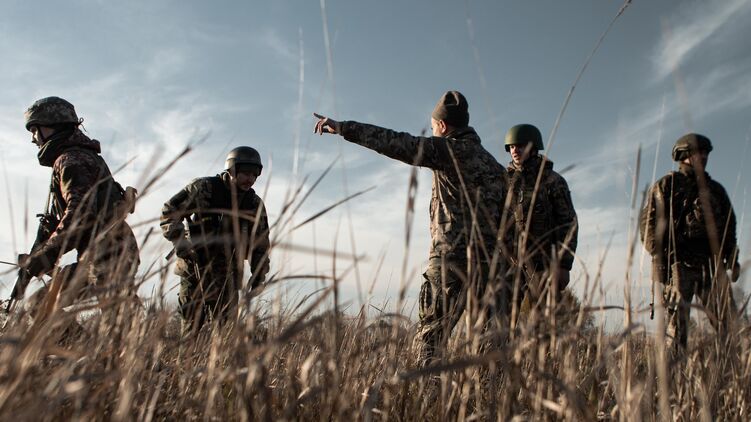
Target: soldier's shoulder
(256, 200)
(204, 182)
(555, 181)
(260, 202)
(666, 180)
(717, 187)
(75, 157)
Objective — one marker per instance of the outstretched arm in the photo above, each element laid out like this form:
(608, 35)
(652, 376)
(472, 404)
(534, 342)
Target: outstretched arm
(431, 152)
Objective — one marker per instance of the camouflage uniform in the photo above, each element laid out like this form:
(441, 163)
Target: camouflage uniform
(552, 232)
(88, 205)
(465, 213)
(222, 240)
(675, 231)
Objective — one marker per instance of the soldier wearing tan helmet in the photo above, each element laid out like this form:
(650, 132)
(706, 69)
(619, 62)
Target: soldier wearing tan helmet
(688, 226)
(86, 208)
(226, 226)
(546, 228)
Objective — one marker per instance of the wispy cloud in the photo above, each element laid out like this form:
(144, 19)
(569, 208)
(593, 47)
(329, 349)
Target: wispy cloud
(694, 26)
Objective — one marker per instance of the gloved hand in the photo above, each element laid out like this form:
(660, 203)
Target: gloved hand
(35, 265)
(736, 273)
(256, 283)
(184, 249)
(564, 277)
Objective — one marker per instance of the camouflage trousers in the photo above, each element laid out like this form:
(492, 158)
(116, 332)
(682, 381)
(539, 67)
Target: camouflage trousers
(104, 270)
(714, 293)
(532, 283)
(112, 264)
(211, 294)
(446, 293)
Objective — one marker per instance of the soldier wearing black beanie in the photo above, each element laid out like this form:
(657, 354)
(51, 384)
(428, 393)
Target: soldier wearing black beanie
(453, 109)
(469, 188)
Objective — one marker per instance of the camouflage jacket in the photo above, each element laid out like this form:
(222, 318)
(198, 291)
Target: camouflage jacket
(675, 226)
(469, 186)
(553, 222)
(219, 235)
(84, 196)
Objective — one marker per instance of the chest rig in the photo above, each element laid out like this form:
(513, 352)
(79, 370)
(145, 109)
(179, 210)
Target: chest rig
(688, 213)
(218, 231)
(541, 223)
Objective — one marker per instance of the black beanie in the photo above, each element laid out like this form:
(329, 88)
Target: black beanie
(453, 109)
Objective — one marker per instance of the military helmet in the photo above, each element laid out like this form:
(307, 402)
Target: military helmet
(524, 134)
(243, 155)
(50, 111)
(690, 143)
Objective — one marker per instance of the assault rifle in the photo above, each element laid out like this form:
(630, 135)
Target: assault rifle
(47, 224)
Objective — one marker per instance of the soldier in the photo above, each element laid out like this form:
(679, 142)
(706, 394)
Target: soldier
(688, 226)
(465, 212)
(86, 206)
(226, 225)
(545, 238)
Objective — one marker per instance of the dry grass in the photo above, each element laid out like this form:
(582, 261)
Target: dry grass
(121, 359)
(128, 363)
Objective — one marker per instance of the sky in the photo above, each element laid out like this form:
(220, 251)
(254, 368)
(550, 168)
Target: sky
(151, 77)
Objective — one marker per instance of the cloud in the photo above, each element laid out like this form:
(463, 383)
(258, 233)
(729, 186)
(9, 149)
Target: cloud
(724, 87)
(165, 63)
(283, 49)
(697, 24)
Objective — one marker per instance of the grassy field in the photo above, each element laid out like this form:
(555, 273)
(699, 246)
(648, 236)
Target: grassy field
(304, 359)
(128, 362)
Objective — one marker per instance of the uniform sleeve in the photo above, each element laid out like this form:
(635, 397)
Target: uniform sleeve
(653, 221)
(260, 244)
(727, 228)
(177, 208)
(565, 223)
(77, 178)
(431, 152)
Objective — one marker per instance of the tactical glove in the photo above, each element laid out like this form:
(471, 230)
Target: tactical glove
(36, 264)
(184, 249)
(564, 277)
(256, 282)
(736, 273)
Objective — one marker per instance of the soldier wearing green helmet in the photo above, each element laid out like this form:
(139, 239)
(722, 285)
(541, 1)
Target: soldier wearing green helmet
(226, 225)
(85, 211)
(546, 229)
(688, 226)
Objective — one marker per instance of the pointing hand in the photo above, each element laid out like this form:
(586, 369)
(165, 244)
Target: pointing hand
(326, 125)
